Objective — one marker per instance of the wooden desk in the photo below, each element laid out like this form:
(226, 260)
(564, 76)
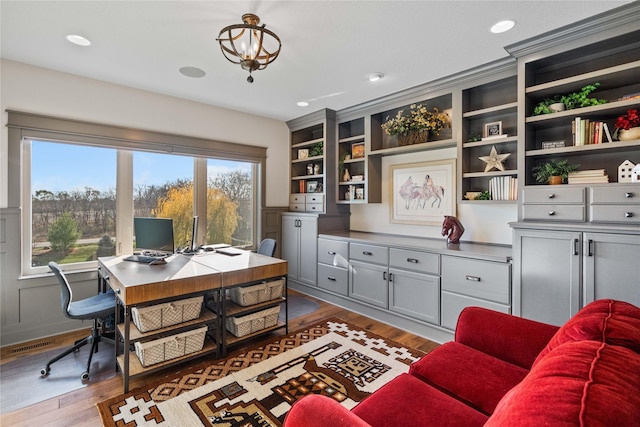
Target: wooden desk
(208, 274)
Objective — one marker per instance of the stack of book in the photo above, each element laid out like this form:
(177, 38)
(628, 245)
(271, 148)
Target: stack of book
(587, 132)
(503, 188)
(592, 176)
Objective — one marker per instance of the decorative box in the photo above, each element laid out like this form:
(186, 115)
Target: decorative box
(163, 349)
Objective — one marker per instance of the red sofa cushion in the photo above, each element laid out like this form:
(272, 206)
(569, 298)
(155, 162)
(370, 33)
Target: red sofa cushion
(475, 378)
(608, 321)
(408, 401)
(581, 383)
(322, 411)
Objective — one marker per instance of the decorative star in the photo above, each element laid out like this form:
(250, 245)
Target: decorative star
(494, 160)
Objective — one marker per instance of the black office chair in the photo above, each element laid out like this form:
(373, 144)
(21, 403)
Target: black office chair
(97, 307)
(267, 247)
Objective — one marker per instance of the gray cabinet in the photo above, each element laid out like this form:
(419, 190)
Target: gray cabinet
(547, 275)
(611, 267)
(299, 246)
(333, 266)
(369, 274)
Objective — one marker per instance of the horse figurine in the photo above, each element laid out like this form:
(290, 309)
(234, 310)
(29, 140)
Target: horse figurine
(452, 228)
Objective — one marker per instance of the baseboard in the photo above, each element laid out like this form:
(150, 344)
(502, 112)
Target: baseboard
(14, 351)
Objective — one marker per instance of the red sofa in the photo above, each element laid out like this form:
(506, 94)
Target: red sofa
(504, 370)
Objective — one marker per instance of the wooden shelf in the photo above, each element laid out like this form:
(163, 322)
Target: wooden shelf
(308, 159)
(489, 174)
(583, 149)
(491, 110)
(307, 143)
(232, 339)
(234, 309)
(356, 138)
(429, 145)
(489, 142)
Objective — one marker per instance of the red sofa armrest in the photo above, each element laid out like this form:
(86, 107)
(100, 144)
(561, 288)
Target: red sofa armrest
(322, 411)
(510, 338)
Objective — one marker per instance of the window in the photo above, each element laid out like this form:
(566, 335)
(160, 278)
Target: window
(98, 177)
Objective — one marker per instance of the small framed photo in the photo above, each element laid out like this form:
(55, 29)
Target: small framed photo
(357, 151)
(303, 153)
(492, 129)
(312, 186)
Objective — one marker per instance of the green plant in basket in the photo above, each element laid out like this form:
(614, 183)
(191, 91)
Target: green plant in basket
(544, 171)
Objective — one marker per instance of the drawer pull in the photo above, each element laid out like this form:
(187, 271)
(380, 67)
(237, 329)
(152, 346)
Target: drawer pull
(333, 279)
(331, 252)
(366, 253)
(472, 278)
(413, 260)
(628, 195)
(551, 196)
(628, 214)
(384, 275)
(552, 213)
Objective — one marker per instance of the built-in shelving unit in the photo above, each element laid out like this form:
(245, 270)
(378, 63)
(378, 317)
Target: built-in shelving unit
(490, 102)
(615, 64)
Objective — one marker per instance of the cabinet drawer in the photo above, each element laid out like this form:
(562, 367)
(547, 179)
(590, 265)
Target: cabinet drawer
(297, 207)
(333, 279)
(453, 304)
(333, 252)
(481, 279)
(556, 194)
(297, 199)
(369, 253)
(314, 207)
(315, 198)
(616, 194)
(627, 214)
(554, 212)
(423, 262)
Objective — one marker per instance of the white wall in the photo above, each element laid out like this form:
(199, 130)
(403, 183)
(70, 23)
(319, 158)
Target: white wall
(482, 222)
(42, 91)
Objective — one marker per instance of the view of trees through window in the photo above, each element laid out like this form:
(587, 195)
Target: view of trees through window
(74, 199)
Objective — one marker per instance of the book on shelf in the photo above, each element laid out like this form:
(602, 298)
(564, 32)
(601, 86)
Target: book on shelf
(587, 132)
(589, 176)
(303, 186)
(503, 188)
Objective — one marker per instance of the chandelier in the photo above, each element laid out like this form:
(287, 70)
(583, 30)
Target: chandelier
(250, 45)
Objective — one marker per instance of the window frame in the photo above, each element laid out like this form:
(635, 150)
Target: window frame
(26, 126)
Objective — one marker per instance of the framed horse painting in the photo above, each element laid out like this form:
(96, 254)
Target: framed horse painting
(423, 193)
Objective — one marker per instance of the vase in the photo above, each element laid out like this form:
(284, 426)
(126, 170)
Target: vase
(413, 138)
(628, 135)
(555, 180)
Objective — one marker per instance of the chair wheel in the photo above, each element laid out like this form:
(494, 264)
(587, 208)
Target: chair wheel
(85, 376)
(44, 372)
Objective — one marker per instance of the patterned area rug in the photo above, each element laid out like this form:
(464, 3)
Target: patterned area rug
(258, 386)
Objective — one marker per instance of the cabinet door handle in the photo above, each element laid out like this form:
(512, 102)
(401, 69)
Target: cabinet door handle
(628, 195)
(333, 279)
(551, 196)
(366, 253)
(552, 213)
(628, 214)
(384, 275)
(391, 277)
(576, 247)
(590, 250)
(331, 252)
(413, 260)
(472, 278)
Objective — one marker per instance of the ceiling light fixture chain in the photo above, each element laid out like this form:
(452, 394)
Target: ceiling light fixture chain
(250, 45)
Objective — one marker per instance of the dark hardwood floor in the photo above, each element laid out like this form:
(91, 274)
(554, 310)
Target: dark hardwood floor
(77, 408)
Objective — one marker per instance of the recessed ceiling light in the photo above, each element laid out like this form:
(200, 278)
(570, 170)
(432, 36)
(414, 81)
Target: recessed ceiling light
(303, 104)
(79, 40)
(503, 26)
(374, 77)
(194, 72)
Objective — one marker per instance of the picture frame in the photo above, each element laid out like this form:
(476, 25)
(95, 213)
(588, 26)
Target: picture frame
(312, 186)
(357, 151)
(303, 153)
(422, 193)
(492, 129)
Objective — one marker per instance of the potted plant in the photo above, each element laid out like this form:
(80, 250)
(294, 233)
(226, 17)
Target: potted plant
(414, 127)
(581, 99)
(549, 105)
(627, 126)
(553, 171)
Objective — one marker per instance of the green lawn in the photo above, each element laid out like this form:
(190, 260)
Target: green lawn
(80, 253)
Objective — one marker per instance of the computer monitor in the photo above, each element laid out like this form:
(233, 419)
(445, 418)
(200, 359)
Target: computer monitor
(194, 235)
(154, 234)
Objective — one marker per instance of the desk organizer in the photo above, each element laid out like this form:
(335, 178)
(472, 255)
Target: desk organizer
(249, 295)
(166, 314)
(245, 325)
(162, 349)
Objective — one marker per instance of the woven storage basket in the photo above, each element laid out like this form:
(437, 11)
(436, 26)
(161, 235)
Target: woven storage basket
(274, 289)
(162, 349)
(245, 325)
(166, 314)
(249, 295)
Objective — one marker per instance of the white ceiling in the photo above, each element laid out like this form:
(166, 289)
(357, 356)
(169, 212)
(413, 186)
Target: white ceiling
(328, 47)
